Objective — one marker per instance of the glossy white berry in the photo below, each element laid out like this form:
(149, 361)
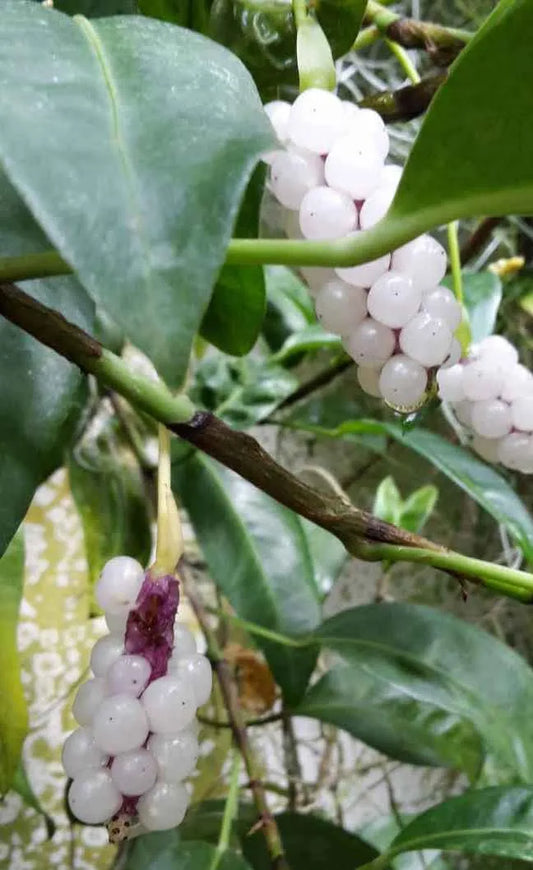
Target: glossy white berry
(341, 307)
(515, 451)
(369, 380)
(423, 259)
(463, 412)
(376, 206)
(487, 448)
(403, 382)
(279, 112)
(450, 383)
(316, 277)
(350, 111)
(391, 176)
(170, 704)
(120, 724)
(80, 753)
(522, 413)
(93, 797)
(440, 302)
(106, 651)
(134, 772)
(393, 300)
(196, 670)
(176, 755)
(119, 584)
(116, 622)
(88, 698)
(368, 125)
(128, 675)
(517, 383)
(163, 807)
(491, 418)
(371, 343)
(426, 339)
(354, 167)
(293, 174)
(327, 214)
(454, 354)
(481, 380)
(184, 642)
(497, 349)
(317, 118)
(365, 274)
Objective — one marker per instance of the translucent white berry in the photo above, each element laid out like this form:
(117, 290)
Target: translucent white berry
(497, 349)
(369, 380)
(128, 675)
(293, 174)
(376, 206)
(176, 756)
(440, 302)
(518, 382)
(80, 753)
(487, 448)
(454, 354)
(120, 724)
(184, 642)
(341, 307)
(163, 807)
(279, 112)
(403, 382)
(463, 412)
(481, 380)
(522, 413)
(170, 704)
(423, 259)
(368, 125)
(371, 343)
(196, 670)
(350, 110)
(134, 772)
(426, 339)
(116, 622)
(119, 584)
(393, 300)
(317, 277)
(365, 274)
(354, 167)
(88, 698)
(450, 383)
(491, 418)
(106, 651)
(515, 450)
(317, 118)
(391, 175)
(327, 214)
(93, 797)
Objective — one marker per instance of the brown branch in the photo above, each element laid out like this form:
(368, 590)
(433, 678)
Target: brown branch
(479, 238)
(250, 723)
(405, 103)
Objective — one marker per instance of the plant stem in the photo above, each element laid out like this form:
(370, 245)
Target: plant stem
(238, 725)
(169, 541)
(404, 60)
(230, 811)
(455, 260)
(254, 629)
(366, 37)
(299, 10)
(405, 103)
(250, 723)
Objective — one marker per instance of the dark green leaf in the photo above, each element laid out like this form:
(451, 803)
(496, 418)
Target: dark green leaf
(19, 232)
(482, 296)
(311, 843)
(166, 851)
(96, 8)
(109, 493)
(425, 687)
(312, 338)
(258, 556)
(22, 786)
(382, 831)
(327, 553)
(204, 820)
(237, 308)
(186, 13)
(13, 711)
(492, 821)
(41, 397)
(149, 209)
(289, 307)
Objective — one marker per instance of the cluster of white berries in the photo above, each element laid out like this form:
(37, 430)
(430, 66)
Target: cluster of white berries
(137, 741)
(492, 396)
(395, 320)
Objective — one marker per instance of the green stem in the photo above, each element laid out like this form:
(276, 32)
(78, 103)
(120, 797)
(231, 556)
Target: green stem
(230, 811)
(366, 37)
(299, 10)
(255, 629)
(455, 260)
(404, 60)
(378, 863)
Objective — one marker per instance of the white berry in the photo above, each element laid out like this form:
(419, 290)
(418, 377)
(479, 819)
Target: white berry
(119, 584)
(463, 412)
(128, 675)
(317, 117)
(170, 704)
(403, 382)
(120, 724)
(393, 300)
(497, 349)
(423, 259)
(293, 174)
(491, 418)
(327, 214)
(440, 302)
(317, 277)
(426, 339)
(522, 413)
(80, 753)
(354, 167)
(371, 343)
(341, 307)
(116, 622)
(365, 274)
(518, 383)
(279, 112)
(369, 380)
(176, 756)
(93, 797)
(487, 448)
(134, 772)
(515, 451)
(88, 698)
(454, 354)
(368, 125)
(106, 651)
(481, 380)
(376, 206)
(196, 670)
(163, 807)
(184, 642)
(391, 175)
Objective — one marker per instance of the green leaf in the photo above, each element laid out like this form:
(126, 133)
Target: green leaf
(388, 501)
(312, 338)
(110, 496)
(289, 307)
(148, 214)
(327, 554)
(41, 398)
(381, 832)
(417, 509)
(258, 556)
(13, 711)
(482, 296)
(96, 8)
(401, 684)
(492, 821)
(311, 843)
(23, 787)
(186, 13)
(166, 851)
(237, 308)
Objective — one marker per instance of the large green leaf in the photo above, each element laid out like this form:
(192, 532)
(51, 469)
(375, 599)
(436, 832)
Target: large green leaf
(13, 711)
(492, 821)
(426, 687)
(165, 851)
(482, 296)
(134, 160)
(327, 553)
(258, 556)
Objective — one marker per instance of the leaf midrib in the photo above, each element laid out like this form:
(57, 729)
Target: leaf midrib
(428, 841)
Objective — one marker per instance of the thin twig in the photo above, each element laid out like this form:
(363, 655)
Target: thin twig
(405, 103)
(479, 238)
(250, 723)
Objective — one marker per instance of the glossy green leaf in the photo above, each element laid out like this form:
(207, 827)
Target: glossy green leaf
(104, 105)
(311, 843)
(482, 296)
(289, 307)
(22, 786)
(492, 821)
(110, 496)
(381, 832)
(400, 684)
(166, 851)
(235, 314)
(312, 338)
(186, 13)
(327, 554)
(96, 8)
(41, 398)
(13, 711)
(417, 509)
(258, 556)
